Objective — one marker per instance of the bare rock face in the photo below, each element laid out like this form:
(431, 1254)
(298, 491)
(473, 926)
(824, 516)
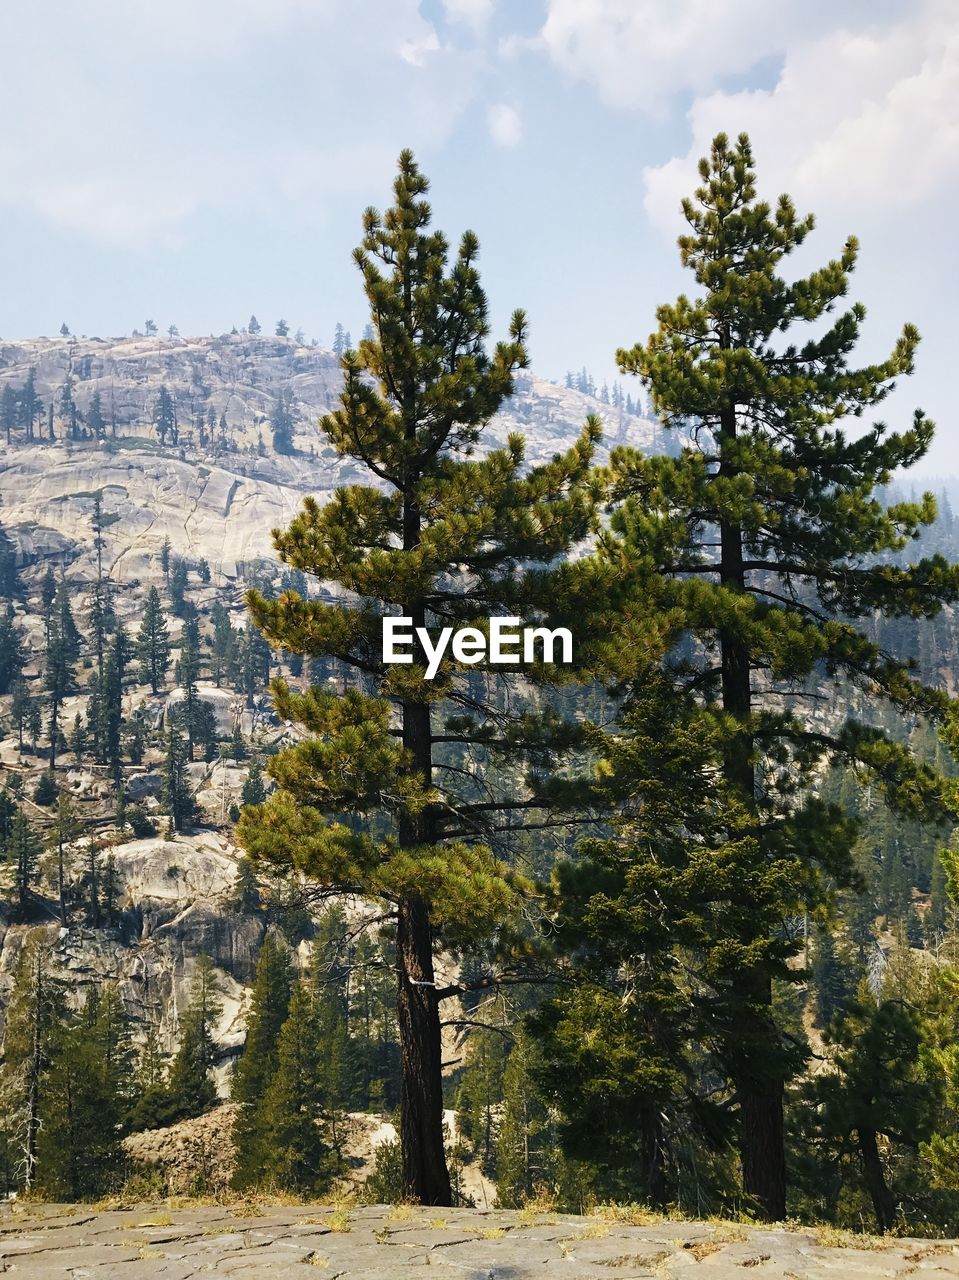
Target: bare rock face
(175, 905)
(220, 489)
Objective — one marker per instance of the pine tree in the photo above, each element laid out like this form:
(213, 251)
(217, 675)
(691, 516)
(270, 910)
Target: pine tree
(165, 552)
(95, 418)
(175, 790)
(30, 1043)
(23, 859)
(524, 1147)
(79, 1151)
(177, 586)
(223, 645)
(62, 652)
(20, 704)
(164, 417)
(191, 1086)
(65, 830)
(12, 656)
(9, 406)
(297, 1156)
(31, 406)
(282, 329)
(444, 538)
(153, 643)
(830, 979)
(253, 325)
(877, 1088)
(254, 789)
(9, 578)
(269, 1006)
(101, 614)
(281, 420)
(48, 594)
(767, 529)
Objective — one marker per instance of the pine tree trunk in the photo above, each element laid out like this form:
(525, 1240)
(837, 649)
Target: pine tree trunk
(425, 1176)
(761, 1107)
(35, 1069)
(654, 1161)
(882, 1199)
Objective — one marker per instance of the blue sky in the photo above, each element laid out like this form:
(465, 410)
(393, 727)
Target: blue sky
(198, 160)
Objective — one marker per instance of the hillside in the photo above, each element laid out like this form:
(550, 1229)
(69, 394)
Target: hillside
(212, 493)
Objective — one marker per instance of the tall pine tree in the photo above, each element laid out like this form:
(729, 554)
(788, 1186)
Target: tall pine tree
(438, 536)
(778, 549)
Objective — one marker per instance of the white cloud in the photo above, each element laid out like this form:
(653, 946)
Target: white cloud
(472, 13)
(417, 52)
(640, 53)
(505, 125)
(862, 120)
(152, 114)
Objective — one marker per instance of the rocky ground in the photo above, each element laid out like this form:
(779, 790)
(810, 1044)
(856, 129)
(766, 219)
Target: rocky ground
(377, 1243)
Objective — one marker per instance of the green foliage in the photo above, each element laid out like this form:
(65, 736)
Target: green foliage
(437, 534)
(191, 1087)
(269, 1006)
(768, 543)
(153, 642)
(297, 1154)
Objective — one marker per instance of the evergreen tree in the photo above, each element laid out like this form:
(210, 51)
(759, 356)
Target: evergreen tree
(443, 540)
(78, 739)
(525, 1155)
(30, 1042)
(269, 1006)
(23, 859)
(30, 405)
(62, 652)
(281, 419)
(769, 533)
(237, 749)
(153, 643)
(223, 645)
(20, 704)
(45, 792)
(12, 656)
(164, 417)
(9, 578)
(79, 1151)
(48, 594)
(297, 1156)
(9, 406)
(177, 585)
(95, 418)
(191, 1086)
(877, 1088)
(65, 830)
(253, 326)
(282, 329)
(101, 613)
(175, 791)
(254, 789)
(830, 979)
(165, 552)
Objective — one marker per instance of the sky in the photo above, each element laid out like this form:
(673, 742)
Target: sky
(197, 161)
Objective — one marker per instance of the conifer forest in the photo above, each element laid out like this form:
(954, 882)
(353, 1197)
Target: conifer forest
(672, 925)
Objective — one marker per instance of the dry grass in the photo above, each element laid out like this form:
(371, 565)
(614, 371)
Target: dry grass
(339, 1220)
(830, 1237)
